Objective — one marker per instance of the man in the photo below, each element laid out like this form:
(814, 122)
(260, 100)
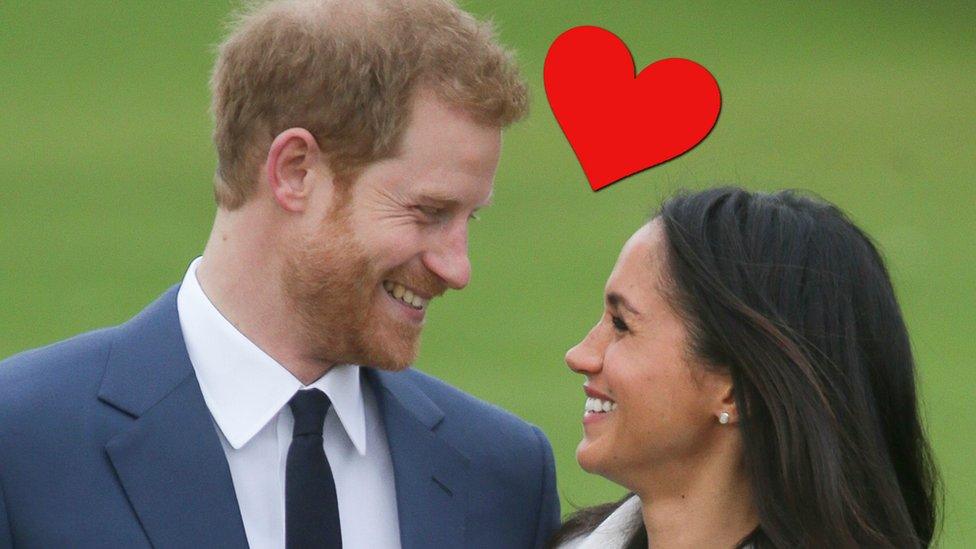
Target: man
(355, 140)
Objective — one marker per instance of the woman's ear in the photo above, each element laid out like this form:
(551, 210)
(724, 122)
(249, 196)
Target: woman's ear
(292, 157)
(726, 411)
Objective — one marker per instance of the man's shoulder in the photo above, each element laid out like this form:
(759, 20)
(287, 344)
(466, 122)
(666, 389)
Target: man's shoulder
(454, 401)
(55, 372)
(57, 360)
(74, 368)
(510, 463)
(470, 421)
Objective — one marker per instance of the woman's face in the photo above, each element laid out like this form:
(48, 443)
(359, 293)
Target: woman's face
(662, 406)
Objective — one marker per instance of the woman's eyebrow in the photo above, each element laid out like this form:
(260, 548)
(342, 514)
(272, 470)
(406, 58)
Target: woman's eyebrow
(616, 301)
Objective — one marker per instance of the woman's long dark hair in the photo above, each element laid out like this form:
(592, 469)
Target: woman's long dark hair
(790, 298)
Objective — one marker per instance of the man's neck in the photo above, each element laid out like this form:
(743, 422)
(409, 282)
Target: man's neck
(244, 284)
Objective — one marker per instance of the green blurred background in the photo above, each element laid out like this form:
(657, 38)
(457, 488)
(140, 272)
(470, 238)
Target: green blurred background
(105, 193)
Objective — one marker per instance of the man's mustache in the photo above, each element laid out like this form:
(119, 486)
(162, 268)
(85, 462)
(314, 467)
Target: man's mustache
(423, 283)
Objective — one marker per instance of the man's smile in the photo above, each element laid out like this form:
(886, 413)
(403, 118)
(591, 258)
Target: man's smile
(402, 293)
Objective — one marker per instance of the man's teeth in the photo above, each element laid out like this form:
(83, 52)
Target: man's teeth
(404, 295)
(596, 405)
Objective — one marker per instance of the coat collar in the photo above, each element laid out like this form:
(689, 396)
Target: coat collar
(169, 460)
(431, 475)
(148, 359)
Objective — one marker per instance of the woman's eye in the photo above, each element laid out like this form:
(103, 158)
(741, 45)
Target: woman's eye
(618, 323)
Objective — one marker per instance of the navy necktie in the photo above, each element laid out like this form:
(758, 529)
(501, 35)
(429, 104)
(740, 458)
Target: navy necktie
(311, 506)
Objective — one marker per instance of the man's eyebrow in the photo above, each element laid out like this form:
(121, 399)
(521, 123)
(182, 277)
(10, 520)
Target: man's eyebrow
(615, 301)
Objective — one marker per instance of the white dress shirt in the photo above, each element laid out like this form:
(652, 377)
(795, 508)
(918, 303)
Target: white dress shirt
(247, 393)
(615, 531)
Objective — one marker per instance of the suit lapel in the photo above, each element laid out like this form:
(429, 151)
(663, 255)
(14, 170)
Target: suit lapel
(430, 475)
(169, 461)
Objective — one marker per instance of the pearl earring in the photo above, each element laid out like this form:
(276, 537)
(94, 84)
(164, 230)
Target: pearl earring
(723, 418)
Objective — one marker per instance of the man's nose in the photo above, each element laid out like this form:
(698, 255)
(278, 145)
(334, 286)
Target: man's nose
(449, 258)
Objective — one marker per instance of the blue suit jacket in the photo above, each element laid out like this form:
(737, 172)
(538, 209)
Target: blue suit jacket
(105, 441)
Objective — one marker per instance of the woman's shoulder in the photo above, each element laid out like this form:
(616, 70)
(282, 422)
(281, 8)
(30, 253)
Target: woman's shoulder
(613, 532)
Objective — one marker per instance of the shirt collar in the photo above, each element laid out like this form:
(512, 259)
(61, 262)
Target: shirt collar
(244, 387)
(617, 528)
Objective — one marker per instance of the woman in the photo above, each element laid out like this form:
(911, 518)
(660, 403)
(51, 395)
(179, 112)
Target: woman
(751, 382)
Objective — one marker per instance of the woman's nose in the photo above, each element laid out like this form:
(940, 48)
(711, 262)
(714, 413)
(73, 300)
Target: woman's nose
(585, 357)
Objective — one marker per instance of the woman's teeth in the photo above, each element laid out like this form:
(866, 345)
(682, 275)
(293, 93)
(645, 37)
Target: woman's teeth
(397, 291)
(598, 406)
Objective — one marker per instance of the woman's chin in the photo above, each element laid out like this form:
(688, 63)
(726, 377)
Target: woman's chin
(589, 457)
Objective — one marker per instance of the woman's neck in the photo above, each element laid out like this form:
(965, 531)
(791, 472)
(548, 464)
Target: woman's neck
(706, 503)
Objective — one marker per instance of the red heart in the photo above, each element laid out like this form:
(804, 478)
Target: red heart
(619, 124)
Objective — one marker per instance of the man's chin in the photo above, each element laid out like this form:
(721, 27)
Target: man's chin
(392, 367)
(377, 346)
(392, 356)
(389, 364)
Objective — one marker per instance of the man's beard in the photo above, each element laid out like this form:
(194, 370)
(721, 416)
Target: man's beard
(332, 285)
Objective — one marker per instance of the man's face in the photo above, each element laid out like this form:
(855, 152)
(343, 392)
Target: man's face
(362, 278)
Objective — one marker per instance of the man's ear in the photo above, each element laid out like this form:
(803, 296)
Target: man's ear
(292, 159)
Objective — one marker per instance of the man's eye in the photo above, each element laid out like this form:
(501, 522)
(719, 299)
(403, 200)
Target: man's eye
(429, 211)
(618, 323)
